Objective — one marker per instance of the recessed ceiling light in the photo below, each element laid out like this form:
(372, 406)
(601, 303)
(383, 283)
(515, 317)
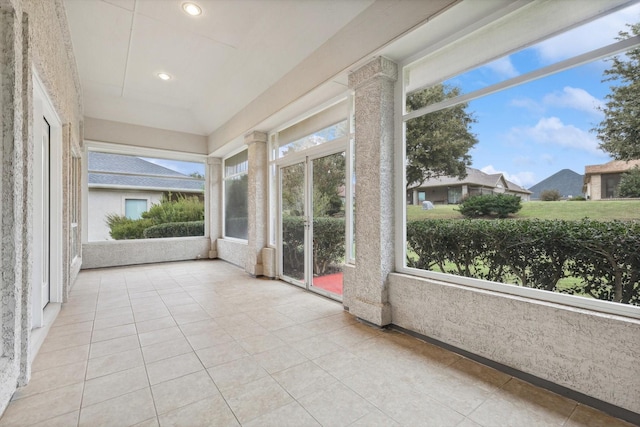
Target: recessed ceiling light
(164, 76)
(191, 9)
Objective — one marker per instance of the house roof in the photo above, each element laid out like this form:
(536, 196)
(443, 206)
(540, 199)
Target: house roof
(614, 166)
(119, 171)
(475, 177)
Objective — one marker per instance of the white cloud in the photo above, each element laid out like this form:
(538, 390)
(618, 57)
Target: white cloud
(593, 35)
(523, 179)
(551, 131)
(503, 67)
(528, 104)
(548, 158)
(575, 98)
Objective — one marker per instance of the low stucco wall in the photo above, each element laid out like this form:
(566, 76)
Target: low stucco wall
(232, 251)
(589, 352)
(131, 252)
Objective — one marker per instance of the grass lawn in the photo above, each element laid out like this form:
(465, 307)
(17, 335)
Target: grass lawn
(597, 210)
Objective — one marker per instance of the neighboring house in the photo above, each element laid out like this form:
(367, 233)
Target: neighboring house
(567, 182)
(603, 181)
(127, 185)
(451, 190)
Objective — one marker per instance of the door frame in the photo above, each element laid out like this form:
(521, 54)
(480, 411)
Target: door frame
(307, 156)
(43, 108)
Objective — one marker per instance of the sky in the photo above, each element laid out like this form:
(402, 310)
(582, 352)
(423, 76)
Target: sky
(534, 130)
(186, 168)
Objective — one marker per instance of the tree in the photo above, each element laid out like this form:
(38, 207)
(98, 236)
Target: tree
(630, 183)
(619, 131)
(438, 143)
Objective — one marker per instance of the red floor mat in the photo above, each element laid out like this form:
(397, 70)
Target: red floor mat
(331, 283)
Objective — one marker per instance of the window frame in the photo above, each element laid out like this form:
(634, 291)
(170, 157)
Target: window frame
(402, 117)
(224, 192)
(131, 150)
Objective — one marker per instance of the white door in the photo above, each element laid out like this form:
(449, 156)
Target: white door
(46, 214)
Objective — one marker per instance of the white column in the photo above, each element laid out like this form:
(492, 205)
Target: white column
(365, 291)
(257, 203)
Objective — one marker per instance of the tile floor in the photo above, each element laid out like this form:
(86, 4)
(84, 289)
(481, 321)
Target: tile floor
(202, 344)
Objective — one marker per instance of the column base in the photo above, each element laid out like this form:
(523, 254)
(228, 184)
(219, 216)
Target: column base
(378, 314)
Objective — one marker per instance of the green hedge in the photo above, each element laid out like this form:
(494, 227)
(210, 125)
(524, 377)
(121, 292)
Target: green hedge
(597, 258)
(328, 243)
(175, 229)
(500, 205)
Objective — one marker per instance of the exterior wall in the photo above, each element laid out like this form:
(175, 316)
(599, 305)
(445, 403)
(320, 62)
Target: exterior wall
(102, 202)
(596, 187)
(589, 352)
(233, 251)
(147, 251)
(33, 35)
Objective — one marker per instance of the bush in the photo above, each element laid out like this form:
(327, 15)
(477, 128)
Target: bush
(500, 205)
(577, 199)
(175, 229)
(182, 209)
(123, 228)
(601, 257)
(176, 209)
(328, 244)
(550, 196)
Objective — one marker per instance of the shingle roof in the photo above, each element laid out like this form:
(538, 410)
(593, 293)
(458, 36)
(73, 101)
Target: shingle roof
(119, 171)
(611, 167)
(474, 177)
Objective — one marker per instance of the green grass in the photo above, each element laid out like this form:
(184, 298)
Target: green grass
(597, 210)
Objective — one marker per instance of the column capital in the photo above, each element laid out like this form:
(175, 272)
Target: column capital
(379, 67)
(214, 161)
(255, 136)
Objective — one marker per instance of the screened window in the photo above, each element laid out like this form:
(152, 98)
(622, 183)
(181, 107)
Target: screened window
(121, 187)
(509, 129)
(236, 189)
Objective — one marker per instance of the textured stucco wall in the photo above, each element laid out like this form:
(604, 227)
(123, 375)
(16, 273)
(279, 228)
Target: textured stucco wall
(592, 353)
(596, 187)
(373, 85)
(131, 252)
(232, 251)
(257, 203)
(34, 35)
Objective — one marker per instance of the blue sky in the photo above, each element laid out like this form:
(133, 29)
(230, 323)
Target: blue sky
(186, 168)
(534, 130)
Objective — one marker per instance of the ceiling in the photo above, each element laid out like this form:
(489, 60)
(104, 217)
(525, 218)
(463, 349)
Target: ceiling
(219, 61)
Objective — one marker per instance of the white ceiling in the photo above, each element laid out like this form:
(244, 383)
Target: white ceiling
(220, 61)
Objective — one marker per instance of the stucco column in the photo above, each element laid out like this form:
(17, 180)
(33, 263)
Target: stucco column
(366, 285)
(257, 201)
(215, 203)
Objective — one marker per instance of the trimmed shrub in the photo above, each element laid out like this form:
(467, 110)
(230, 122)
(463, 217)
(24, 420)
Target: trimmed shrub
(499, 205)
(577, 199)
(328, 244)
(601, 257)
(175, 229)
(123, 228)
(550, 196)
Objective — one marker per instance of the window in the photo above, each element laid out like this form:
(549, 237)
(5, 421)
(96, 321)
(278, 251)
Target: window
(129, 193)
(133, 208)
(499, 126)
(236, 189)
(75, 206)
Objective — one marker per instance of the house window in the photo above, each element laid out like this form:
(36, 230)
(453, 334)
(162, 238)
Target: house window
(236, 189)
(123, 185)
(530, 113)
(133, 208)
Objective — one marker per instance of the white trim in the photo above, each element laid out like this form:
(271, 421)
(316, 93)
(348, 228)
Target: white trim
(42, 107)
(576, 61)
(131, 150)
